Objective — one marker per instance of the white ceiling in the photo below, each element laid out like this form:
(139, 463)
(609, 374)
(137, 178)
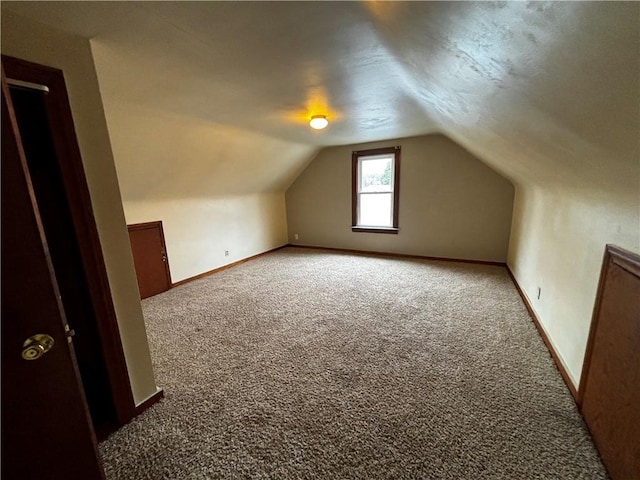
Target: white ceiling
(546, 93)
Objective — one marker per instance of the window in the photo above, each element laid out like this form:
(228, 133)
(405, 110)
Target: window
(375, 193)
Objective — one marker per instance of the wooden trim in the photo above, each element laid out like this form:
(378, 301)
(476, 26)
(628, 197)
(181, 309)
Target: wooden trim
(79, 200)
(355, 155)
(545, 338)
(225, 267)
(627, 261)
(144, 225)
(396, 188)
(374, 230)
(400, 255)
(152, 400)
(375, 151)
(154, 225)
(354, 188)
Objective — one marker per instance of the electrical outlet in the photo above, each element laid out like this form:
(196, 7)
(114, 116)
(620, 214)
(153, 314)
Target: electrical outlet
(226, 253)
(295, 236)
(539, 292)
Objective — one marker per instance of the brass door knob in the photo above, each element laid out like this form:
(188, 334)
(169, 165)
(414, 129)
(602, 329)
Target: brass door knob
(36, 346)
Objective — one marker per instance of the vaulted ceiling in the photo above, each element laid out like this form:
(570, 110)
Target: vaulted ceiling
(545, 93)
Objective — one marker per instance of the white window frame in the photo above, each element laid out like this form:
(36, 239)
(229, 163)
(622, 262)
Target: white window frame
(358, 157)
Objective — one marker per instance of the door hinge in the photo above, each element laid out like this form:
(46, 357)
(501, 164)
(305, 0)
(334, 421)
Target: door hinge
(69, 332)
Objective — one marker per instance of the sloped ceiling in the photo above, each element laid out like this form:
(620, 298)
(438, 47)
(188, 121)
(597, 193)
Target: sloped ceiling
(545, 93)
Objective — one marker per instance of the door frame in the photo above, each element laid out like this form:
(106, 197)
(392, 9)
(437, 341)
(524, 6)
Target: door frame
(70, 161)
(158, 225)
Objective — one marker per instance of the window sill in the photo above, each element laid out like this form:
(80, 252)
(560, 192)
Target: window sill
(356, 228)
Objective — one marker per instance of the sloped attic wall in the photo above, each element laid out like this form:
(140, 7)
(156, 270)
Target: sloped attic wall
(549, 95)
(216, 188)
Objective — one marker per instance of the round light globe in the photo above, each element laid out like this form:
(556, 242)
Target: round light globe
(318, 122)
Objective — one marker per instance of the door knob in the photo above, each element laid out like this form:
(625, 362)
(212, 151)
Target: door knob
(36, 346)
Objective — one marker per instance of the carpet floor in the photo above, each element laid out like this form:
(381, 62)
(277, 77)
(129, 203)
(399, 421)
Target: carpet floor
(309, 364)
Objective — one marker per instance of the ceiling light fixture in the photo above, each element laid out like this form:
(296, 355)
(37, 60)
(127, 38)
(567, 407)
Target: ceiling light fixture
(319, 122)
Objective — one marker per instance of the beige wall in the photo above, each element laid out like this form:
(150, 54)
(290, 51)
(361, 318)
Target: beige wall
(35, 42)
(451, 204)
(557, 243)
(198, 231)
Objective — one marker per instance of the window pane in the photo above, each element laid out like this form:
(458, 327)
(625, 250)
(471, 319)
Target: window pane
(375, 209)
(376, 175)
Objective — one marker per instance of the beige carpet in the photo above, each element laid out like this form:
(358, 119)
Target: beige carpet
(307, 364)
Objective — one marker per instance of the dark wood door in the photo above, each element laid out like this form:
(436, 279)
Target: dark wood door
(150, 258)
(57, 222)
(46, 426)
(610, 384)
(41, 106)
